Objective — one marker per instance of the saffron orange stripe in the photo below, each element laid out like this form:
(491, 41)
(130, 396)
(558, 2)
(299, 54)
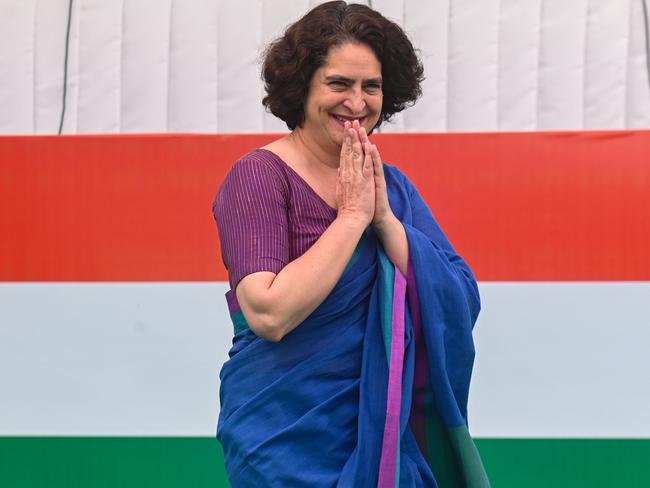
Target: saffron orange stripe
(519, 206)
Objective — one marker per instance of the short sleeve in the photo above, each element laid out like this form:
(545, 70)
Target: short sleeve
(251, 213)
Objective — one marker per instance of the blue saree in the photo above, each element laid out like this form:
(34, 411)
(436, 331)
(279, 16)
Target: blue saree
(371, 389)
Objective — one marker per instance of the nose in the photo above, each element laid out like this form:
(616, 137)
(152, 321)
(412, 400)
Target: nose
(355, 101)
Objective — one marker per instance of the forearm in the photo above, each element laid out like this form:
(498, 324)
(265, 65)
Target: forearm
(301, 286)
(393, 238)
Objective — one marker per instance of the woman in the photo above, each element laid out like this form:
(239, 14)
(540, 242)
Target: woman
(353, 314)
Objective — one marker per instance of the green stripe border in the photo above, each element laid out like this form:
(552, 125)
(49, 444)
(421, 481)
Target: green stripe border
(161, 462)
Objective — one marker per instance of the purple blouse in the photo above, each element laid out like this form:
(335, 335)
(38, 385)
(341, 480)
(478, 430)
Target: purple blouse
(267, 215)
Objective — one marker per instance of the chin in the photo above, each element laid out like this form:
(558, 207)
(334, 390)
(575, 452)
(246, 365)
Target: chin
(337, 137)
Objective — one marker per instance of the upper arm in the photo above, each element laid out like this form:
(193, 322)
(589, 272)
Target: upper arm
(253, 297)
(251, 214)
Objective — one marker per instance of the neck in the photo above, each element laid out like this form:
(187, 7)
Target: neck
(315, 153)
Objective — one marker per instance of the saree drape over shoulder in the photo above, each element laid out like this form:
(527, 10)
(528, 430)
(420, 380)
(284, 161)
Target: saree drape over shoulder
(371, 389)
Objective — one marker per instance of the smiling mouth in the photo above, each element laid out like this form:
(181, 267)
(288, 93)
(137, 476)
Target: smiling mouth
(340, 120)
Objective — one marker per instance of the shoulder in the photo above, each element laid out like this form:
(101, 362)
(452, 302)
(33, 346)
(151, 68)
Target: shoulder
(256, 176)
(258, 163)
(258, 170)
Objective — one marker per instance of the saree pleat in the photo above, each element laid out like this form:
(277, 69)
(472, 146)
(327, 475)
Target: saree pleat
(334, 403)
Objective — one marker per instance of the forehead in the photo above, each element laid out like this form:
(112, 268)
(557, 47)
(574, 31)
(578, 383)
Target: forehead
(352, 60)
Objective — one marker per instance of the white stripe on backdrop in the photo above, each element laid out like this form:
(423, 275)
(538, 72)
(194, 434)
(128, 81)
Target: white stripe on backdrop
(181, 66)
(143, 359)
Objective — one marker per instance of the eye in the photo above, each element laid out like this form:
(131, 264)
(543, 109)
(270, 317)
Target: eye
(373, 87)
(338, 85)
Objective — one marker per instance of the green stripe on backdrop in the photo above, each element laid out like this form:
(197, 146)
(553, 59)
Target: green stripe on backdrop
(163, 462)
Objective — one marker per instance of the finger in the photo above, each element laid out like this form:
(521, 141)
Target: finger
(376, 159)
(346, 137)
(357, 150)
(363, 135)
(378, 166)
(346, 152)
(346, 147)
(367, 160)
(351, 155)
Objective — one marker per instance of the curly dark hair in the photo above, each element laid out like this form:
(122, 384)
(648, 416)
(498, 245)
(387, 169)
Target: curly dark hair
(291, 60)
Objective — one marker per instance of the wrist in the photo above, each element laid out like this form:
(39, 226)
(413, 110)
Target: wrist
(352, 221)
(386, 224)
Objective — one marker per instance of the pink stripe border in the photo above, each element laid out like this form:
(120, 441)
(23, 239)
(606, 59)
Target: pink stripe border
(390, 445)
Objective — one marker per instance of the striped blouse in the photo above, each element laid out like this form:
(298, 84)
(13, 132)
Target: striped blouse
(267, 215)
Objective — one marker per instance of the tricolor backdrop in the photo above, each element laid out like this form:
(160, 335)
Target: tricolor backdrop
(113, 323)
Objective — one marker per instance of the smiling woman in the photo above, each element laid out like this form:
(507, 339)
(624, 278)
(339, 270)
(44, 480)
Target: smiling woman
(337, 376)
(346, 88)
(291, 60)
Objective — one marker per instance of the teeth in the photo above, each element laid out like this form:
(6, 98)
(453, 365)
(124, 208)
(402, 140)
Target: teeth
(344, 120)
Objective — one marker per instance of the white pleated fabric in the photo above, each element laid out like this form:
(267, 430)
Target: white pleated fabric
(193, 66)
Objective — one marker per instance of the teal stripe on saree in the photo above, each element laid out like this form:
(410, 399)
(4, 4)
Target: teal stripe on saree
(392, 295)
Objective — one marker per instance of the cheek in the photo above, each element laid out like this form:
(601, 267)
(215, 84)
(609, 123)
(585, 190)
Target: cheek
(378, 103)
(332, 101)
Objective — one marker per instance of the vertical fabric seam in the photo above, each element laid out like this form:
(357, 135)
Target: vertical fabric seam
(540, 40)
(34, 31)
(584, 69)
(405, 112)
(498, 67)
(121, 68)
(260, 86)
(447, 68)
(646, 31)
(626, 87)
(77, 6)
(216, 66)
(169, 62)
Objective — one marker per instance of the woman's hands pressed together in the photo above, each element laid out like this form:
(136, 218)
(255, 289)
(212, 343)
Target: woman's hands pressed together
(362, 195)
(361, 165)
(355, 187)
(383, 213)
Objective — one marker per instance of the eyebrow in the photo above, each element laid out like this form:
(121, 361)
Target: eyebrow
(351, 81)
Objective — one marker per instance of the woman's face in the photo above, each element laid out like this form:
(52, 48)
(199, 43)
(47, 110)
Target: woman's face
(347, 87)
